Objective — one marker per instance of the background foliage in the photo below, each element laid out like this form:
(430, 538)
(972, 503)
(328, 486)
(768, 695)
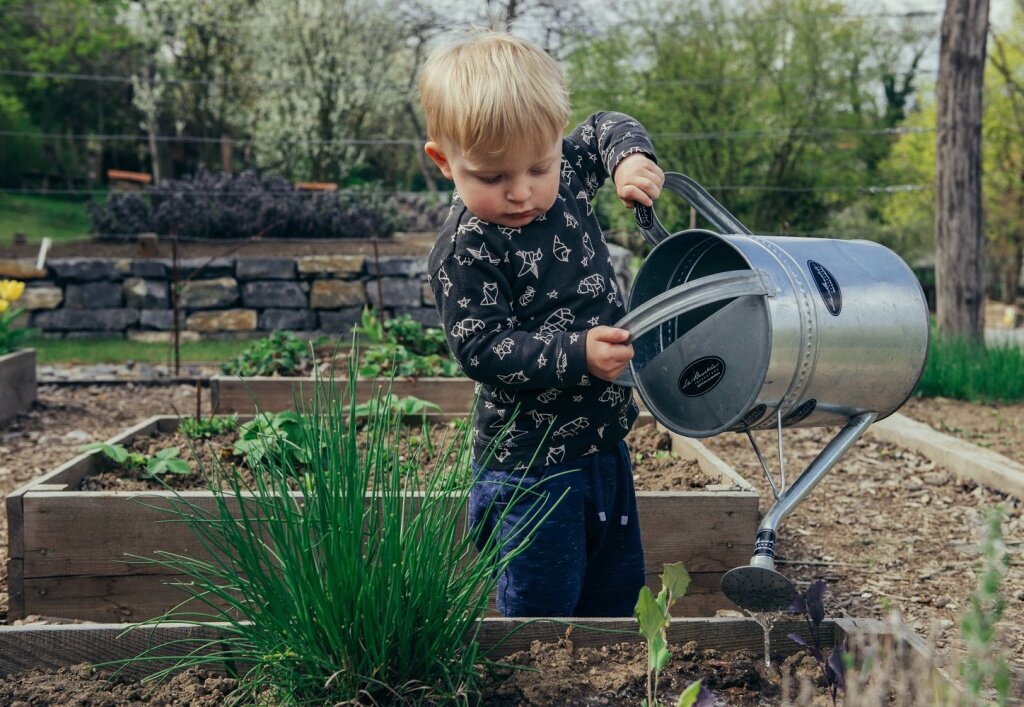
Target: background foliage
(803, 117)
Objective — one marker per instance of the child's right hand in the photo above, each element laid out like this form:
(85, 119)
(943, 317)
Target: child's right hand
(608, 352)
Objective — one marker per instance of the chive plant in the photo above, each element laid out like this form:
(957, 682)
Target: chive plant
(336, 580)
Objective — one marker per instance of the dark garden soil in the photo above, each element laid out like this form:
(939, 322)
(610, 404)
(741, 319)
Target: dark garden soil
(612, 675)
(886, 529)
(655, 467)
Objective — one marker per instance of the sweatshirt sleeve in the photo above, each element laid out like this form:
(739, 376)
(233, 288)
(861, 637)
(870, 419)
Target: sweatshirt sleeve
(471, 288)
(602, 141)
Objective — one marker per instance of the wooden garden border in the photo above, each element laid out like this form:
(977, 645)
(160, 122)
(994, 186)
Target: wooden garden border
(983, 465)
(231, 394)
(48, 647)
(17, 382)
(67, 549)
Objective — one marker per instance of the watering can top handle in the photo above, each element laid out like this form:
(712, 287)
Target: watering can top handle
(698, 197)
(689, 296)
(686, 297)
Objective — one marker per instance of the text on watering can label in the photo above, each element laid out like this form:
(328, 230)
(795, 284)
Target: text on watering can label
(831, 294)
(701, 376)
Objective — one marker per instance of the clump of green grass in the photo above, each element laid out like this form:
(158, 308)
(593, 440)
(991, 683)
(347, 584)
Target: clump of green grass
(348, 587)
(39, 216)
(967, 370)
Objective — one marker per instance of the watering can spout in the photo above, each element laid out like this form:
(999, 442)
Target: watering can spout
(758, 586)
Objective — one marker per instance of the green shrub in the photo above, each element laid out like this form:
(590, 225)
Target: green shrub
(965, 370)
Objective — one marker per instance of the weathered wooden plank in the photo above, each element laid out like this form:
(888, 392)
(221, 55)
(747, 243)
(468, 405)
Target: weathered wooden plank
(24, 648)
(120, 598)
(17, 382)
(709, 462)
(230, 394)
(48, 647)
(707, 531)
(15, 588)
(983, 465)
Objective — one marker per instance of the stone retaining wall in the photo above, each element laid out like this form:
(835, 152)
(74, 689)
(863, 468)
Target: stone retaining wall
(240, 297)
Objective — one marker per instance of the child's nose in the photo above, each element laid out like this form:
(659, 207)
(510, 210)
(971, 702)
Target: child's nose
(518, 191)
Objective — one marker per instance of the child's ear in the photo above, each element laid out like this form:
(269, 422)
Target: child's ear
(435, 153)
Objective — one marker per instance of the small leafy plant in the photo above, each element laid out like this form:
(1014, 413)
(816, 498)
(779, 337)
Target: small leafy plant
(273, 435)
(811, 605)
(166, 461)
(280, 354)
(653, 615)
(402, 346)
(198, 427)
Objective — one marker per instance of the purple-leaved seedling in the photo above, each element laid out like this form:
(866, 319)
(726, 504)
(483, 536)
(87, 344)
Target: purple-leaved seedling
(811, 605)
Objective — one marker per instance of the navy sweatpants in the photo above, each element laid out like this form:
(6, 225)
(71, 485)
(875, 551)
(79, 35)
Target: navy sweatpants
(585, 558)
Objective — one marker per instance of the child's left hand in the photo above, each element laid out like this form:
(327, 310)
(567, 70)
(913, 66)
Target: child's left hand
(638, 179)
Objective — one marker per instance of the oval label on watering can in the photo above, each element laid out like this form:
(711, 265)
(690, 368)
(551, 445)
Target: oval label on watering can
(798, 414)
(827, 286)
(701, 376)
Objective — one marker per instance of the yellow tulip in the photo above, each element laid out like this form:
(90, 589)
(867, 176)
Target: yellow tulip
(4, 304)
(11, 290)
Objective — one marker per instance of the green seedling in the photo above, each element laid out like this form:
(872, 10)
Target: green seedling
(166, 461)
(197, 427)
(401, 346)
(274, 435)
(653, 615)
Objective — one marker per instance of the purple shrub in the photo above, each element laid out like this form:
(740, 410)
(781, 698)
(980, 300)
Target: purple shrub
(211, 205)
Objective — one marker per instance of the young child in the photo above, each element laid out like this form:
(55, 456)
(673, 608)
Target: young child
(525, 289)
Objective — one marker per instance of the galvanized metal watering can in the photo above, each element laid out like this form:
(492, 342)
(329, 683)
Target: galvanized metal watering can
(734, 332)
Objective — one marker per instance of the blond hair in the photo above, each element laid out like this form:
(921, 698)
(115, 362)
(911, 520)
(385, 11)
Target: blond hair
(491, 92)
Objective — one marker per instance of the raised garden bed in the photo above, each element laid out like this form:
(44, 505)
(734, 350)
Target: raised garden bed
(600, 661)
(67, 548)
(231, 394)
(17, 383)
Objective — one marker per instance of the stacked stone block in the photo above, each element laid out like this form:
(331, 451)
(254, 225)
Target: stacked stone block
(242, 297)
(217, 298)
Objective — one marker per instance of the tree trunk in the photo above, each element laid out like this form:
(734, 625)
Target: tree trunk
(959, 232)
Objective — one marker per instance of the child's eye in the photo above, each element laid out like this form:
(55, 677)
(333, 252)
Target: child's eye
(539, 171)
(491, 180)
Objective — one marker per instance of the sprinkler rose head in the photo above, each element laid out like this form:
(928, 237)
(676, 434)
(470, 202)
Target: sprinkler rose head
(758, 589)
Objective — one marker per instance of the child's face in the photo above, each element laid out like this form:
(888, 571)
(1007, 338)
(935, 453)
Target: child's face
(510, 191)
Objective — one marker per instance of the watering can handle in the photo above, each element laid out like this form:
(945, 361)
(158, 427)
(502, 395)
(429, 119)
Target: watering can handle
(698, 197)
(686, 297)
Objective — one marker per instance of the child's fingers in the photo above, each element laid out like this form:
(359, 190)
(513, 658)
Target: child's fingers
(644, 191)
(611, 335)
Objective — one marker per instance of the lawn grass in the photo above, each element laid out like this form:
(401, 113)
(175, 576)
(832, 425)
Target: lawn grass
(964, 370)
(41, 216)
(113, 350)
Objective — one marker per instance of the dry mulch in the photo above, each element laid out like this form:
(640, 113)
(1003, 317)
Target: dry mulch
(886, 528)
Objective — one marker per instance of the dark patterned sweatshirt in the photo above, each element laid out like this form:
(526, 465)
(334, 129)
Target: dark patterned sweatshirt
(516, 303)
